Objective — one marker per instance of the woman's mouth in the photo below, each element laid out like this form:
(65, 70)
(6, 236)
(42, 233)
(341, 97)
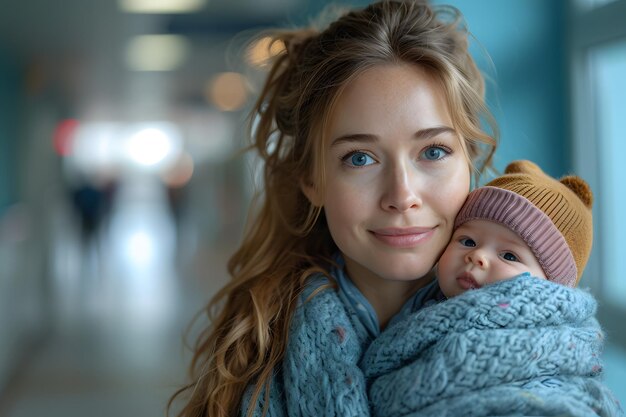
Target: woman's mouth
(467, 282)
(403, 237)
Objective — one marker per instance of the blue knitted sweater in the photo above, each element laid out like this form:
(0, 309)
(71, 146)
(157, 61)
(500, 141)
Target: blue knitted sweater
(519, 347)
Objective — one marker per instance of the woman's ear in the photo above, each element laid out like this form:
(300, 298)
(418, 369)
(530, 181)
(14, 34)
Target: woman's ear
(312, 193)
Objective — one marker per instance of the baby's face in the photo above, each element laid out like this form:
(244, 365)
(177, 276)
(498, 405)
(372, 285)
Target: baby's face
(483, 252)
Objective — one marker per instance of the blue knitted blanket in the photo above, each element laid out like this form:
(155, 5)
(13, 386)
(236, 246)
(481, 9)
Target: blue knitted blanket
(519, 347)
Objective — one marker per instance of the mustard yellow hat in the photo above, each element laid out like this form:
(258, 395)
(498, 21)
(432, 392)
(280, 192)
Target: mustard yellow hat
(552, 216)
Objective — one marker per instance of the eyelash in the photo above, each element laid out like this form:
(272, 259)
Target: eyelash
(352, 151)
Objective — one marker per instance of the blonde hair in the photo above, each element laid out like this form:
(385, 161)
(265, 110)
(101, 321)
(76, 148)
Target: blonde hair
(288, 239)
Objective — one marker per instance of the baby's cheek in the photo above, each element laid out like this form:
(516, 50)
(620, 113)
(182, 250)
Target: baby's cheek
(445, 265)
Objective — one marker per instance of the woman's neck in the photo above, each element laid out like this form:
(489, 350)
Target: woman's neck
(386, 296)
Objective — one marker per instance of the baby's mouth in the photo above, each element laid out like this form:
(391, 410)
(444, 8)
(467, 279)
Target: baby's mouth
(467, 281)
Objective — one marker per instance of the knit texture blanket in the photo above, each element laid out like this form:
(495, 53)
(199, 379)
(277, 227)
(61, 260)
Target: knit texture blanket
(519, 347)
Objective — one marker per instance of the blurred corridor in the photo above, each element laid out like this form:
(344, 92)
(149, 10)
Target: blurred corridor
(122, 194)
(112, 346)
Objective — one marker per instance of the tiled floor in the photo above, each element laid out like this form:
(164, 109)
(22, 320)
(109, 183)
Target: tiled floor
(85, 372)
(114, 363)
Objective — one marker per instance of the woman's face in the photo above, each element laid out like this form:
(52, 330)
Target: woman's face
(396, 174)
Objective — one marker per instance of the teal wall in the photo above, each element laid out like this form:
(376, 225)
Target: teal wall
(9, 103)
(525, 40)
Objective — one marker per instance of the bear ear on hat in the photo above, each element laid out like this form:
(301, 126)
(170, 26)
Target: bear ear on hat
(580, 188)
(522, 167)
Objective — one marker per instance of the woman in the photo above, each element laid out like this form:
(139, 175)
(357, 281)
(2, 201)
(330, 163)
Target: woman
(370, 130)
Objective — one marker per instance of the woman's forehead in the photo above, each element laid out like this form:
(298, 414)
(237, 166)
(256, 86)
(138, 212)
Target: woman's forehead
(387, 98)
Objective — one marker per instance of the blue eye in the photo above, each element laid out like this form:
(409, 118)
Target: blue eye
(434, 153)
(509, 257)
(358, 159)
(466, 241)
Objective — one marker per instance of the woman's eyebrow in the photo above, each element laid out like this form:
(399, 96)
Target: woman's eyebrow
(368, 138)
(431, 132)
(354, 137)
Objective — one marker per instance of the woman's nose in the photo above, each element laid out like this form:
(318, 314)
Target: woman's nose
(477, 258)
(401, 191)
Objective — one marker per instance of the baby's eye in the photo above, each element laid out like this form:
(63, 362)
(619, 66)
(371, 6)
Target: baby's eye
(434, 153)
(358, 159)
(509, 256)
(466, 241)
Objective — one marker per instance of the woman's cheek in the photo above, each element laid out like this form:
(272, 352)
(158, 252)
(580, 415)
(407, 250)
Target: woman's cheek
(451, 194)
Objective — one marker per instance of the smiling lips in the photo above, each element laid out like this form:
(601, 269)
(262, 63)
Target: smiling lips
(467, 282)
(403, 237)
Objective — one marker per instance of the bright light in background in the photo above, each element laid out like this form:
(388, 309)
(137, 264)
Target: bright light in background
(149, 146)
(262, 50)
(161, 6)
(228, 91)
(140, 248)
(156, 52)
(153, 146)
(96, 146)
(107, 146)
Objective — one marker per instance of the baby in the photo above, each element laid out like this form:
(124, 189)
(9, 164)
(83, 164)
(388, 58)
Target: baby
(522, 222)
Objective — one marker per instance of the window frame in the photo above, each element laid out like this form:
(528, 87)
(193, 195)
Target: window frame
(591, 27)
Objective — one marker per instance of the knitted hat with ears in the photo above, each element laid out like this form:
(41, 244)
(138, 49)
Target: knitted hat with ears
(552, 216)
